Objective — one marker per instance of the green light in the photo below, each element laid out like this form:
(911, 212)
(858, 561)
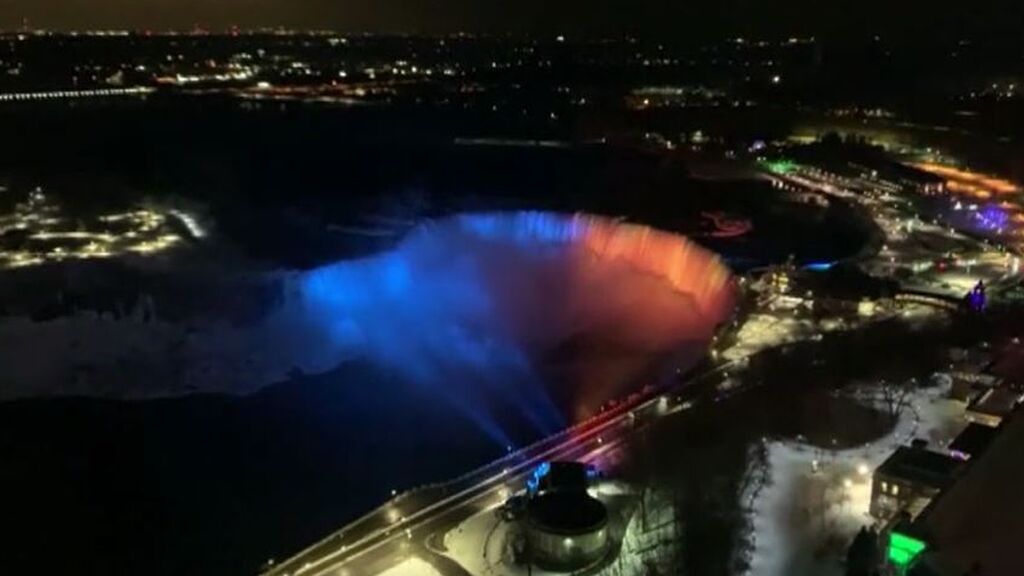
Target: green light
(903, 549)
(780, 166)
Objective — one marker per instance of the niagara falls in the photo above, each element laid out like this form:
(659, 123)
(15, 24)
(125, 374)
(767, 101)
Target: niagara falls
(470, 305)
(475, 308)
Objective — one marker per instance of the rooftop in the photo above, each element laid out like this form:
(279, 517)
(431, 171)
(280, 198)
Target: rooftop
(921, 466)
(565, 476)
(981, 517)
(567, 513)
(996, 402)
(974, 439)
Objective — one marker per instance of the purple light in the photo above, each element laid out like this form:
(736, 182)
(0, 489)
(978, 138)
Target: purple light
(992, 217)
(976, 299)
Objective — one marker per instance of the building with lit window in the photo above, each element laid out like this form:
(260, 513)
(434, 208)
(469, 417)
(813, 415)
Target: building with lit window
(977, 523)
(909, 479)
(957, 514)
(566, 531)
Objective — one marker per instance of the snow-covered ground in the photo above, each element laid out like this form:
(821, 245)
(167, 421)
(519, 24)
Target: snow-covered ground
(142, 356)
(761, 331)
(411, 567)
(817, 499)
(481, 545)
(786, 320)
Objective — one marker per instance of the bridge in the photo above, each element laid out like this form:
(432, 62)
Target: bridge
(928, 298)
(65, 94)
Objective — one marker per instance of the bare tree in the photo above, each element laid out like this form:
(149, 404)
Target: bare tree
(890, 396)
(894, 397)
(756, 476)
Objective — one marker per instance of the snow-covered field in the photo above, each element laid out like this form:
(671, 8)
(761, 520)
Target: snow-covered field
(411, 567)
(817, 499)
(480, 545)
(140, 357)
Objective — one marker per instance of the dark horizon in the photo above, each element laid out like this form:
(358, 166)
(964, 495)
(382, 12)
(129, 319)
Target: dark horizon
(916, 20)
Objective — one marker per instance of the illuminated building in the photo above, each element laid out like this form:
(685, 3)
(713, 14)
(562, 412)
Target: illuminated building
(976, 299)
(903, 549)
(566, 528)
(566, 532)
(909, 479)
(974, 525)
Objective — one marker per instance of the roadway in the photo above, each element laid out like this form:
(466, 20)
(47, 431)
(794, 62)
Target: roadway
(914, 242)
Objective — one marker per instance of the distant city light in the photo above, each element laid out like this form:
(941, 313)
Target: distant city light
(782, 166)
(190, 222)
(820, 266)
(51, 236)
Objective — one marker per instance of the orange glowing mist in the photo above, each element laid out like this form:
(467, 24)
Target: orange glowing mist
(601, 304)
(686, 266)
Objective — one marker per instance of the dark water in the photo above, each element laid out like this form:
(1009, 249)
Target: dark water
(281, 181)
(212, 485)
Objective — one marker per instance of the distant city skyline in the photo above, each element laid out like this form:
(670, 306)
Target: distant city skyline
(661, 18)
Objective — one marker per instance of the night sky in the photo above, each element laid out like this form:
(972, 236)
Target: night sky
(664, 18)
